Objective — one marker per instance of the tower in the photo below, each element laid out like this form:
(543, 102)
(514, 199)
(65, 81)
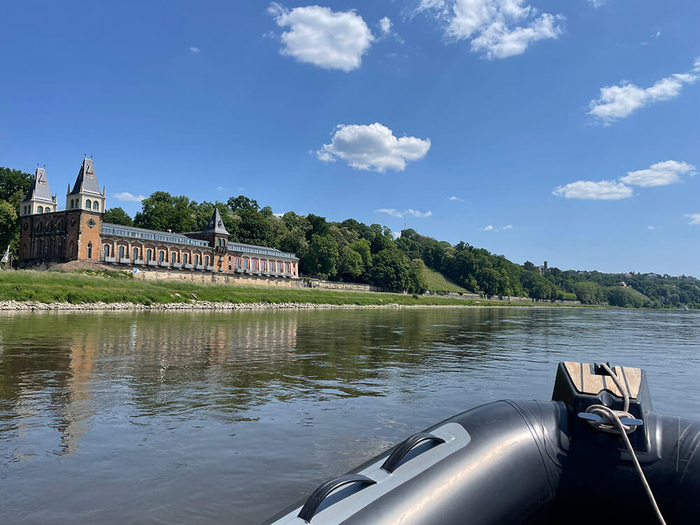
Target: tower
(216, 234)
(38, 199)
(85, 207)
(86, 193)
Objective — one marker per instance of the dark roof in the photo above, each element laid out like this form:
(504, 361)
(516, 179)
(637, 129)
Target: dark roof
(86, 181)
(216, 225)
(40, 188)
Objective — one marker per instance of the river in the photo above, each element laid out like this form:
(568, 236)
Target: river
(182, 417)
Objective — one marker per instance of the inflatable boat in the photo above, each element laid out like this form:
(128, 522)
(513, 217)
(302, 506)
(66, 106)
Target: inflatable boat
(595, 453)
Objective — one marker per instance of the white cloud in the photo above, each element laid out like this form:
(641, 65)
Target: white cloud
(653, 227)
(317, 35)
(221, 188)
(509, 227)
(694, 218)
(622, 100)
(454, 198)
(495, 28)
(373, 147)
(659, 174)
(385, 25)
(586, 189)
(195, 50)
(396, 213)
(128, 197)
(596, 3)
(488, 228)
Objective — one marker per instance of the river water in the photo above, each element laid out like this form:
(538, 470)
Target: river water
(209, 417)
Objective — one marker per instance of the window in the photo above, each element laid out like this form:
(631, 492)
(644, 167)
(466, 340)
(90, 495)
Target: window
(206, 260)
(262, 265)
(96, 206)
(173, 257)
(185, 258)
(161, 256)
(245, 263)
(135, 252)
(286, 267)
(72, 204)
(89, 250)
(121, 252)
(196, 260)
(88, 204)
(106, 249)
(236, 263)
(149, 255)
(40, 210)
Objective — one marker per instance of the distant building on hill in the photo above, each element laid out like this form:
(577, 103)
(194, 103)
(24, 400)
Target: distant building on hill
(542, 268)
(79, 234)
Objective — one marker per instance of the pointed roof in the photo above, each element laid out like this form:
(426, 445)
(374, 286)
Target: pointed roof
(86, 181)
(216, 225)
(39, 190)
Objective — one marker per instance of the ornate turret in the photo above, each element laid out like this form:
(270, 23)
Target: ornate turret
(216, 233)
(38, 199)
(216, 225)
(86, 193)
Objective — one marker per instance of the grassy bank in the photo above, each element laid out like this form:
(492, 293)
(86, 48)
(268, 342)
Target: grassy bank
(439, 283)
(76, 288)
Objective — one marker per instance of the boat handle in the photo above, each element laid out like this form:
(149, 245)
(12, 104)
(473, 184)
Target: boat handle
(392, 462)
(311, 506)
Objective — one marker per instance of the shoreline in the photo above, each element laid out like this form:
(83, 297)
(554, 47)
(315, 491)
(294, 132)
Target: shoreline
(33, 306)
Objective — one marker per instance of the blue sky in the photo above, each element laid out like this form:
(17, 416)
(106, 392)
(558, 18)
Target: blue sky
(566, 131)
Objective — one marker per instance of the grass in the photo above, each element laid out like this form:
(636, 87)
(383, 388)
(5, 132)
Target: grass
(116, 287)
(439, 283)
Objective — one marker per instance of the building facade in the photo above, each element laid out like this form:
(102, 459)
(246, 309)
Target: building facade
(79, 233)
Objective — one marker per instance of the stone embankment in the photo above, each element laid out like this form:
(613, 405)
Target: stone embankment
(200, 305)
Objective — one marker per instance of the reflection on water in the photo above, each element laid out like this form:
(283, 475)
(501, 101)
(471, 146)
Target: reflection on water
(176, 417)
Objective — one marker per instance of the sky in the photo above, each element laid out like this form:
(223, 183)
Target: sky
(564, 131)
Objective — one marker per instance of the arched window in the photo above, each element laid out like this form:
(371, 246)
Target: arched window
(196, 259)
(89, 250)
(96, 206)
(135, 253)
(88, 204)
(40, 209)
(149, 255)
(173, 257)
(185, 258)
(106, 250)
(121, 252)
(206, 260)
(262, 266)
(72, 204)
(286, 267)
(161, 256)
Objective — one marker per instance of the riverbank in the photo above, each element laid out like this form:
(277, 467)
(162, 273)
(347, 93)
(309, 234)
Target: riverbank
(32, 290)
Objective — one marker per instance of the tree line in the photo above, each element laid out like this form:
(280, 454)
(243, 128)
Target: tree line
(352, 251)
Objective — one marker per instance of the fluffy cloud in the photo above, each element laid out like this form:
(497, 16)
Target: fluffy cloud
(694, 218)
(596, 3)
(659, 174)
(317, 35)
(495, 28)
(385, 25)
(454, 198)
(653, 227)
(411, 212)
(488, 228)
(620, 101)
(128, 197)
(586, 189)
(195, 50)
(373, 147)
(509, 227)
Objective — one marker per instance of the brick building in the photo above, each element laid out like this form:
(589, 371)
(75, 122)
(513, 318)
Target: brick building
(78, 233)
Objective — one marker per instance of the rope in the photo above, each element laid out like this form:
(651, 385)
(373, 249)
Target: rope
(610, 422)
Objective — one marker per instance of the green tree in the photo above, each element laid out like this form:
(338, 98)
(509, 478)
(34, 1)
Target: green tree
(161, 211)
(350, 265)
(9, 227)
(118, 216)
(390, 270)
(589, 292)
(14, 184)
(242, 203)
(322, 257)
(417, 276)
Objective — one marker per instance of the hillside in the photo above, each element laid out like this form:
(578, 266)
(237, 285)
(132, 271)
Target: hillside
(436, 282)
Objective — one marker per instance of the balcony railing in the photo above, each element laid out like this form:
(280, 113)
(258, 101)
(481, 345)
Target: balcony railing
(177, 265)
(139, 262)
(111, 259)
(124, 260)
(189, 266)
